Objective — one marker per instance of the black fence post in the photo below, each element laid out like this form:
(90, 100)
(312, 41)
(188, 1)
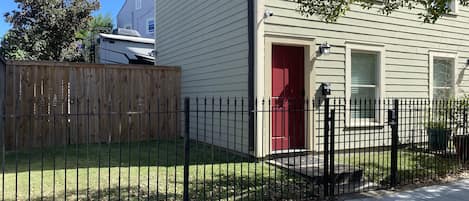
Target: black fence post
(393, 118)
(465, 130)
(465, 133)
(326, 147)
(332, 176)
(186, 147)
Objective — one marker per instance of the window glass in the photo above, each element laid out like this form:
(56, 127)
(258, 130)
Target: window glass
(452, 6)
(138, 4)
(363, 102)
(443, 77)
(442, 94)
(151, 26)
(364, 84)
(364, 69)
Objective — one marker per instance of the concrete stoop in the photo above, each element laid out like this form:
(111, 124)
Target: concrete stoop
(347, 178)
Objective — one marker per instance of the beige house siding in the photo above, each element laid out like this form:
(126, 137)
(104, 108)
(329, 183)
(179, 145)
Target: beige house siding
(408, 44)
(208, 39)
(406, 39)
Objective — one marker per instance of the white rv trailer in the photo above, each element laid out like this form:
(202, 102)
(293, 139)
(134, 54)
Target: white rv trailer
(124, 49)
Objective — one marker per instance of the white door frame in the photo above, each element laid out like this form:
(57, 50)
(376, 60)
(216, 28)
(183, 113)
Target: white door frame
(264, 136)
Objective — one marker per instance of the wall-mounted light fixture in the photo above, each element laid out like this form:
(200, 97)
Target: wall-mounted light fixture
(467, 62)
(326, 89)
(325, 49)
(268, 13)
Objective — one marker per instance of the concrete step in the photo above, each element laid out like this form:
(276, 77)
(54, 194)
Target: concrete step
(312, 168)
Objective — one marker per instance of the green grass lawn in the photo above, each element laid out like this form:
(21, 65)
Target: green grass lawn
(412, 165)
(154, 170)
(102, 172)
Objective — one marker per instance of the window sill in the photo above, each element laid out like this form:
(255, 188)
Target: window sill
(451, 14)
(364, 125)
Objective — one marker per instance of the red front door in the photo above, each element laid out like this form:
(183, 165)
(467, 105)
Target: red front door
(287, 98)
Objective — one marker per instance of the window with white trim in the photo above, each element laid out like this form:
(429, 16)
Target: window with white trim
(453, 6)
(442, 75)
(364, 80)
(138, 4)
(151, 26)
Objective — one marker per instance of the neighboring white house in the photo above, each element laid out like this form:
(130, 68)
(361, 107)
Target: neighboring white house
(235, 48)
(121, 49)
(138, 15)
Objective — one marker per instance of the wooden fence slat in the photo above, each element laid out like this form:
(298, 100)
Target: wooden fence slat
(44, 89)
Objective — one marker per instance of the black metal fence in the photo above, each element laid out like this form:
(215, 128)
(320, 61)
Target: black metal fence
(393, 142)
(303, 149)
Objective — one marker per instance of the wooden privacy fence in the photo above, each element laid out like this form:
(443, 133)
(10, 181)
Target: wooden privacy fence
(49, 104)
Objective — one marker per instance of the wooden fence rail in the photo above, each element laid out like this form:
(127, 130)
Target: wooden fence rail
(67, 103)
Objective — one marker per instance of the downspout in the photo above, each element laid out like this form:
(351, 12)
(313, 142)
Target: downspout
(251, 60)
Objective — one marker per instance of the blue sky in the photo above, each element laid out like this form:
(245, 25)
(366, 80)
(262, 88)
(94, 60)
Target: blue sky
(107, 6)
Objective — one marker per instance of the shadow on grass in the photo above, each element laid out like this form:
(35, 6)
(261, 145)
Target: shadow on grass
(234, 176)
(262, 186)
(423, 167)
(224, 187)
(116, 193)
(154, 153)
(412, 166)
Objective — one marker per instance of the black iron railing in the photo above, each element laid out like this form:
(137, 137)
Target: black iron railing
(160, 149)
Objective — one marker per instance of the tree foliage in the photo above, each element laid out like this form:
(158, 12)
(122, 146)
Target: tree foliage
(331, 10)
(46, 29)
(9, 49)
(99, 24)
(86, 38)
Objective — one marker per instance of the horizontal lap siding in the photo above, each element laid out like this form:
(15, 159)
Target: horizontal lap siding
(407, 41)
(413, 118)
(223, 125)
(406, 38)
(208, 39)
